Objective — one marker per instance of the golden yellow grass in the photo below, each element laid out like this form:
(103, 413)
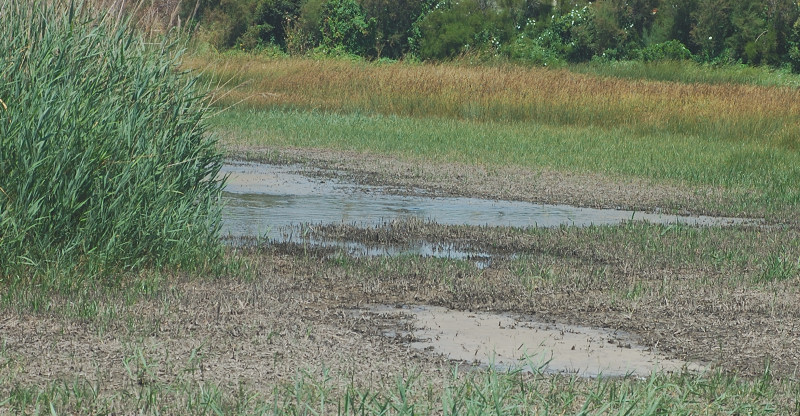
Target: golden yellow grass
(509, 93)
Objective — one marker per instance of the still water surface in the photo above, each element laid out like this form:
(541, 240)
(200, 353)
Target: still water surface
(264, 199)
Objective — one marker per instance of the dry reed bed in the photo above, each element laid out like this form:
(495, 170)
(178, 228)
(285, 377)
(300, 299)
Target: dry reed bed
(558, 97)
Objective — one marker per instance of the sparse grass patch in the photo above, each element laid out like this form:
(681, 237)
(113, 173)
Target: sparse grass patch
(189, 345)
(460, 393)
(635, 277)
(741, 255)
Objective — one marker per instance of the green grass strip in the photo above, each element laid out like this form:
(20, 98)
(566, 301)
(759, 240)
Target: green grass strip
(769, 174)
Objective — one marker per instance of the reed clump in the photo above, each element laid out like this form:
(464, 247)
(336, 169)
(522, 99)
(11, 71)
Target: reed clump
(734, 112)
(105, 163)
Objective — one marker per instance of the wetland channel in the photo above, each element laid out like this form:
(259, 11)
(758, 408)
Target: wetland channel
(282, 204)
(275, 202)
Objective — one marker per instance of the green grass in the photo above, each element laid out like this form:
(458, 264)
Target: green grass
(763, 177)
(471, 393)
(734, 112)
(689, 72)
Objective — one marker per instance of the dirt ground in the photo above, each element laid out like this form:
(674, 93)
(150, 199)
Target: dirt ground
(289, 314)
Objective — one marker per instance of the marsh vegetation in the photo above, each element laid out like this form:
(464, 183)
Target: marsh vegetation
(119, 297)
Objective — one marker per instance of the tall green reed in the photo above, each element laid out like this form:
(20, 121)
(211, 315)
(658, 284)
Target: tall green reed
(105, 163)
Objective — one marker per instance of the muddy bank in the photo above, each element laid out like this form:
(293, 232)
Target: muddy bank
(722, 296)
(688, 312)
(289, 317)
(229, 333)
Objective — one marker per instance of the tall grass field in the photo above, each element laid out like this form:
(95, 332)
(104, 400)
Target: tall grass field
(739, 133)
(105, 163)
(732, 112)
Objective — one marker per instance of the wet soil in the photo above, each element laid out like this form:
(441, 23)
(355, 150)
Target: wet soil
(725, 297)
(700, 312)
(518, 342)
(230, 333)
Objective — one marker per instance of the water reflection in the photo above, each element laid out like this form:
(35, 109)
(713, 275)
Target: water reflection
(264, 198)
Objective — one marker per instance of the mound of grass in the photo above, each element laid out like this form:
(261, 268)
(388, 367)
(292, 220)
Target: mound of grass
(105, 163)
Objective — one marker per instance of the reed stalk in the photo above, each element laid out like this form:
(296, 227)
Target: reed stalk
(105, 163)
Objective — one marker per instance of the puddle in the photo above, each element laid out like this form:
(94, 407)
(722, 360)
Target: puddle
(261, 199)
(508, 342)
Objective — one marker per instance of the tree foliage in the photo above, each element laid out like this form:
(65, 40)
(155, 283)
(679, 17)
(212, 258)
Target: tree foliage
(755, 32)
(344, 26)
(393, 25)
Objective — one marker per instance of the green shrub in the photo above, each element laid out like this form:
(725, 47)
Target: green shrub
(393, 24)
(570, 35)
(254, 37)
(223, 22)
(671, 50)
(105, 163)
(344, 26)
(463, 27)
(527, 50)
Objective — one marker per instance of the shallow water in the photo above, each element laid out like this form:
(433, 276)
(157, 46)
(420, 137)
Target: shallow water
(508, 342)
(263, 199)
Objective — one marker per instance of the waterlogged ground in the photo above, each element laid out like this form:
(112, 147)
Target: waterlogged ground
(297, 321)
(701, 289)
(539, 186)
(518, 342)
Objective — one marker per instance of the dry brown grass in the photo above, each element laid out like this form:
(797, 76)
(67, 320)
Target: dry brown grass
(557, 97)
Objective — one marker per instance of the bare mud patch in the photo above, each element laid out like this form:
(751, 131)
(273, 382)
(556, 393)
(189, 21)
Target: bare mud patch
(509, 342)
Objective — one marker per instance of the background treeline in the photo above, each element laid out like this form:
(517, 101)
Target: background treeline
(539, 32)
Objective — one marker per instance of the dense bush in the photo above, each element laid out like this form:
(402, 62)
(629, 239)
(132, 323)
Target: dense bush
(394, 25)
(529, 51)
(449, 31)
(104, 160)
(665, 51)
(571, 35)
(345, 27)
(223, 21)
